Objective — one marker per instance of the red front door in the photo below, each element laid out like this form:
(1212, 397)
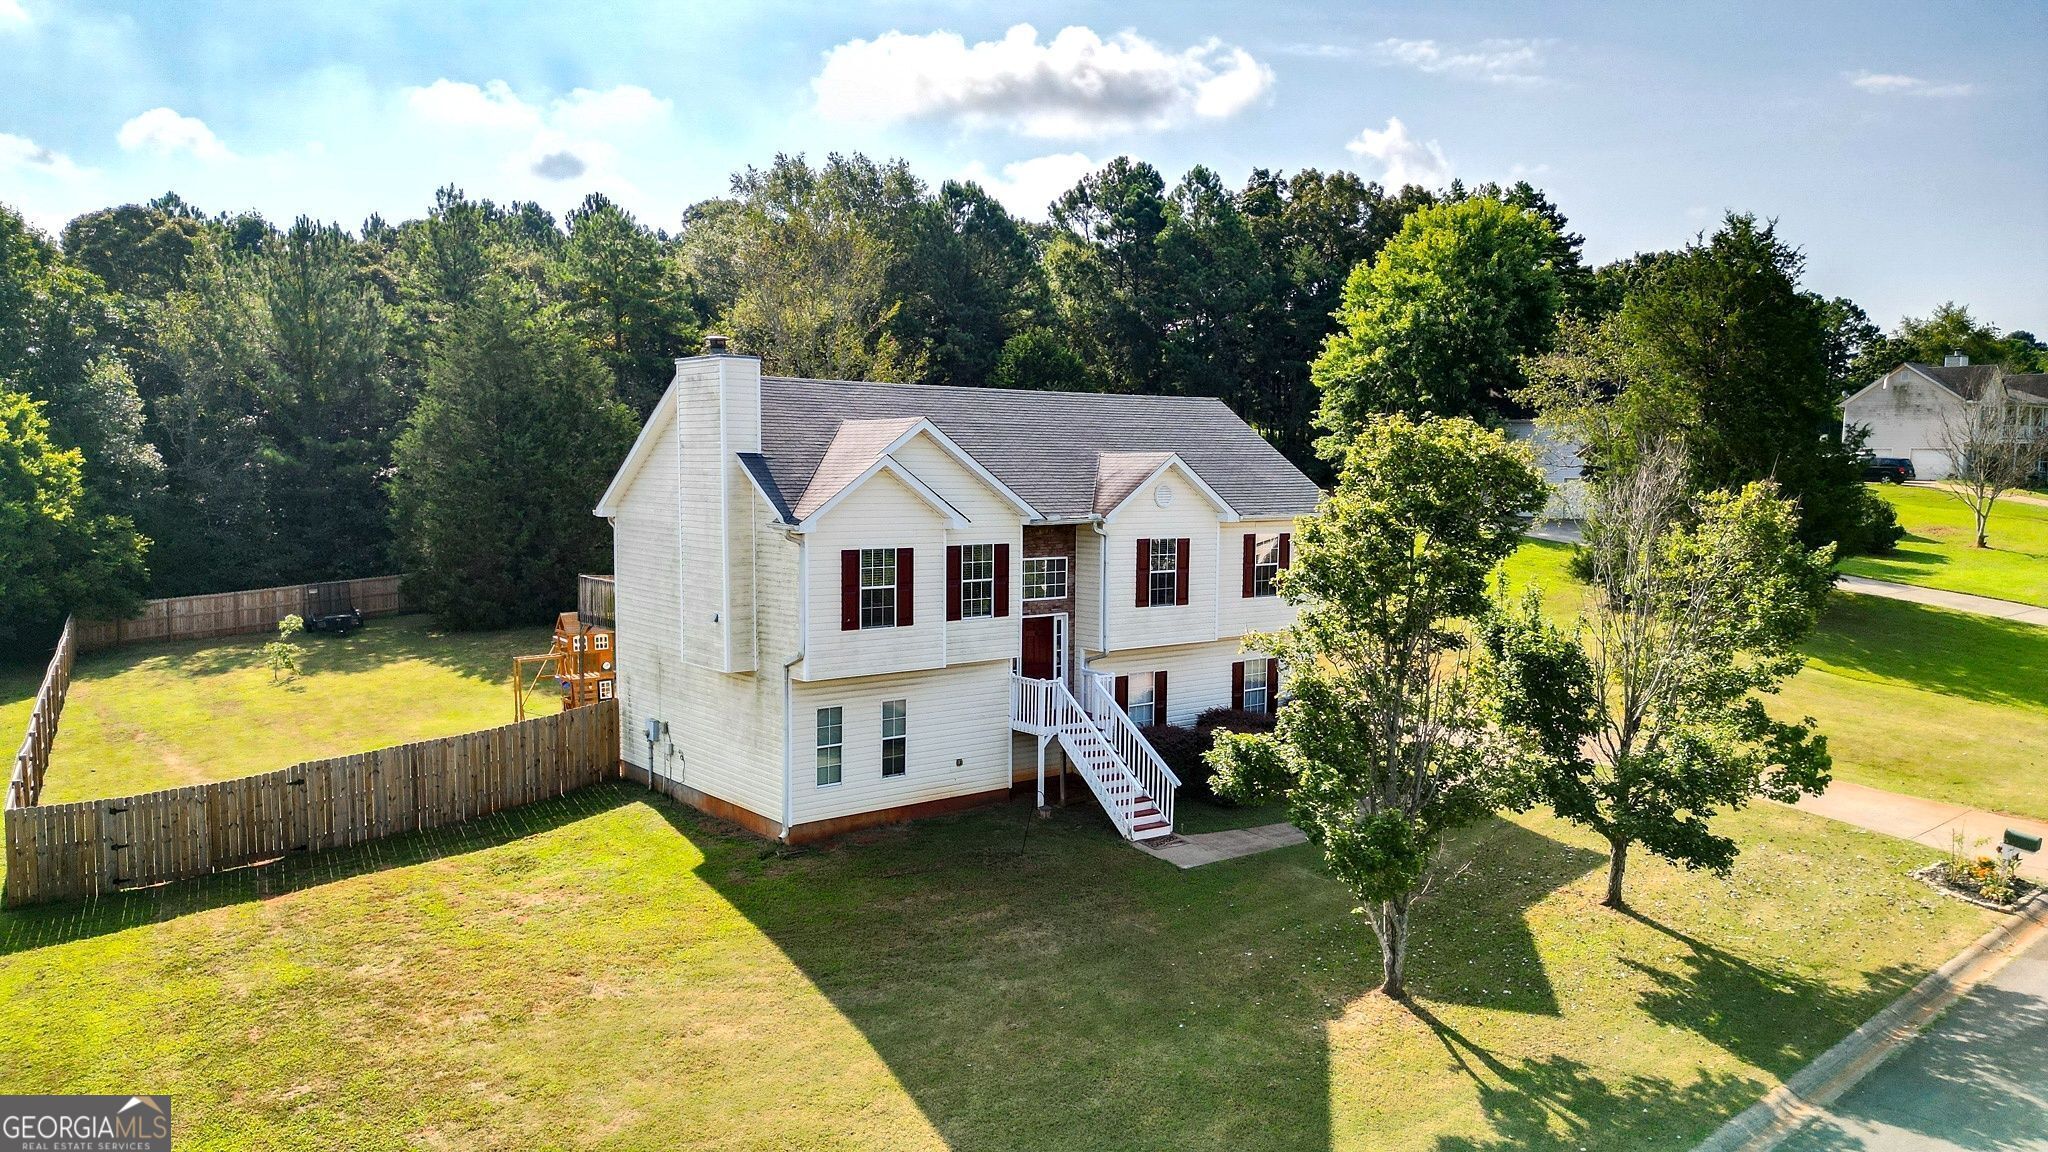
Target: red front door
(1038, 647)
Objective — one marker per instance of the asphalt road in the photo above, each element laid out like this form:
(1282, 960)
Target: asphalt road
(1975, 1080)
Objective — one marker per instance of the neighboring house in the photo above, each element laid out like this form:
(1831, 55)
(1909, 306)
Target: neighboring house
(841, 604)
(1903, 410)
(1563, 465)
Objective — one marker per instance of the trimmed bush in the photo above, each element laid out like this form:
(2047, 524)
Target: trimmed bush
(1185, 749)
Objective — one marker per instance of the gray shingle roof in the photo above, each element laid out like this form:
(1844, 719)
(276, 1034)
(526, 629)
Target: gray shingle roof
(1968, 380)
(1047, 446)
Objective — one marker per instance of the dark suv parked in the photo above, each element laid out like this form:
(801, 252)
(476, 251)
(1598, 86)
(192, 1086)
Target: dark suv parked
(1888, 469)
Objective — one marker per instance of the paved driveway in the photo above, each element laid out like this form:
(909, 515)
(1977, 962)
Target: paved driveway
(1976, 1080)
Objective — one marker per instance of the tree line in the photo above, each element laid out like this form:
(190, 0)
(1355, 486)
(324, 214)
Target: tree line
(194, 402)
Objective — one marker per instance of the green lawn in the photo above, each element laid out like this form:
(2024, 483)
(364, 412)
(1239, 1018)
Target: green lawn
(1939, 550)
(611, 970)
(1913, 699)
(163, 715)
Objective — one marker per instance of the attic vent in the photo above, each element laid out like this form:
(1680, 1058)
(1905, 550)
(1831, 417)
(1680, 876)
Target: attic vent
(1955, 360)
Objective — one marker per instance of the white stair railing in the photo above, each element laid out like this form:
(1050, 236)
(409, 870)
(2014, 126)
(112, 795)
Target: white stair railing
(1047, 708)
(1139, 757)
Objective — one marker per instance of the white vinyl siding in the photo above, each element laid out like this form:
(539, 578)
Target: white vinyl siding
(956, 736)
(1189, 514)
(1235, 613)
(1197, 675)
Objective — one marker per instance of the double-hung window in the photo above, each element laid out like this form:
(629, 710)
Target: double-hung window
(1164, 580)
(1045, 577)
(895, 737)
(878, 588)
(1144, 698)
(1257, 692)
(977, 581)
(1265, 565)
(831, 745)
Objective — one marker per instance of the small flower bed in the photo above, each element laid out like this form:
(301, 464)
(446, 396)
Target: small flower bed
(1987, 880)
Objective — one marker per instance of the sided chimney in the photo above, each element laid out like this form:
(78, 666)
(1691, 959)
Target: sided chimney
(1952, 360)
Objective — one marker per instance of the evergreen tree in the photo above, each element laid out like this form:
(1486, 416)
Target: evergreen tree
(625, 298)
(498, 468)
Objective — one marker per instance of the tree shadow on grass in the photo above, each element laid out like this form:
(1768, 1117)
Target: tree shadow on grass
(45, 925)
(1956, 654)
(1555, 1101)
(1039, 984)
(1486, 955)
(1775, 1020)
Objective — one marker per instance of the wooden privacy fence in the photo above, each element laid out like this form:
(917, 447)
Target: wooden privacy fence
(70, 851)
(231, 613)
(25, 785)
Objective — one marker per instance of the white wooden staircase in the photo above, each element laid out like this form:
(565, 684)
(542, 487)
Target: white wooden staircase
(1134, 786)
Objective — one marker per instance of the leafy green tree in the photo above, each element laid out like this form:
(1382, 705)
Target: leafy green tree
(625, 296)
(1657, 722)
(498, 467)
(137, 250)
(1439, 321)
(1950, 328)
(965, 275)
(1737, 358)
(1385, 741)
(1040, 359)
(61, 555)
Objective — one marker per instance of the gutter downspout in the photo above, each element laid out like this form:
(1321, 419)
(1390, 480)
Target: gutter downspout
(1101, 586)
(803, 625)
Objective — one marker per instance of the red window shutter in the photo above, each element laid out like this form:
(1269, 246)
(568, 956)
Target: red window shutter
(1144, 573)
(1286, 550)
(1002, 579)
(1159, 697)
(1237, 685)
(1251, 550)
(849, 590)
(1181, 574)
(1123, 693)
(1272, 686)
(952, 582)
(906, 584)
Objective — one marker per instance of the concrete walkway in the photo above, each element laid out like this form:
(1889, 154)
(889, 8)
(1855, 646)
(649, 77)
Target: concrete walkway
(1977, 1078)
(1928, 822)
(1942, 598)
(1210, 847)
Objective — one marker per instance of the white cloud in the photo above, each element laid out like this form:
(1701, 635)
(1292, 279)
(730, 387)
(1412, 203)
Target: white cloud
(1494, 61)
(456, 104)
(1893, 84)
(19, 153)
(1028, 187)
(625, 106)
(163, 131)
(1404, 159)
(12, 14)
(1077, 84)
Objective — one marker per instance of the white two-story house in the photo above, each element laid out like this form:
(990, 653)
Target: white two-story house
(841, 604)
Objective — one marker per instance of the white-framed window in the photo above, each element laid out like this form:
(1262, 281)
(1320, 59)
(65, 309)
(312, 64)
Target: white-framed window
(1144, 695)
(1257, 693)
(878, 588)
(977, 581)
(1265, 565)
(831, 745)
(1164, 582)
(1045, 577)
(895, 737)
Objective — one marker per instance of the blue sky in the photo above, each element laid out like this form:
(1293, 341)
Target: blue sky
(1903, 147)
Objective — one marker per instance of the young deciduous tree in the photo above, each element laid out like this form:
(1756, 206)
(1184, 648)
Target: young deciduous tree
(1384, 743)
(1656, 722)
(1995, 442)
(57, 554)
